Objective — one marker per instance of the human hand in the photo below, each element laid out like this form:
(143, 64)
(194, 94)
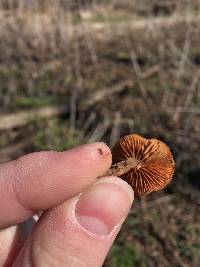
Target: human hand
(83, 215)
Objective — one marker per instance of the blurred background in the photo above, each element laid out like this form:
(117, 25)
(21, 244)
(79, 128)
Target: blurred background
(74, 72)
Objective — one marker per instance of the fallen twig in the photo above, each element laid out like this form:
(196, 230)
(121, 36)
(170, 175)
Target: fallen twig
(104, 93)
(105, 30)
(19, 119)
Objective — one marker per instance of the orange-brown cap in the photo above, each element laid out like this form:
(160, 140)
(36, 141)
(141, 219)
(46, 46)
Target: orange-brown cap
(155, 163)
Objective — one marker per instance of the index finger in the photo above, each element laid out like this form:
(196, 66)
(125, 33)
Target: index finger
(42, 180)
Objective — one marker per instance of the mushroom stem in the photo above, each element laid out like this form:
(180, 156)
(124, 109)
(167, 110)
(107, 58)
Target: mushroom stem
(122, 167)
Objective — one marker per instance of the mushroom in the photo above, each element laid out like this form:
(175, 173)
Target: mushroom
(146, 164)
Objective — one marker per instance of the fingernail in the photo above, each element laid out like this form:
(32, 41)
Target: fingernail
(102, 207)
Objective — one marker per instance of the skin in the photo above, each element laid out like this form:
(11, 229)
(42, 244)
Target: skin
(80, 221)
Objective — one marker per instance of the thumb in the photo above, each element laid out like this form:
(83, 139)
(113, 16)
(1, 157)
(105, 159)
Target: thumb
(81, 231)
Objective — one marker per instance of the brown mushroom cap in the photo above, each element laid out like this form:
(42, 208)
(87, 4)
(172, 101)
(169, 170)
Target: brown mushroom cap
(155, 163)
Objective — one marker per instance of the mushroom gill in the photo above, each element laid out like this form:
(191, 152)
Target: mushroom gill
(146, 164)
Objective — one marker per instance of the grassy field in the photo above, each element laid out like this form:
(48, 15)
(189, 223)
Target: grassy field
(117, 67)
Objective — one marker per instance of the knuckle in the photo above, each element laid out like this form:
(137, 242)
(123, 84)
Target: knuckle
(46, 253)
